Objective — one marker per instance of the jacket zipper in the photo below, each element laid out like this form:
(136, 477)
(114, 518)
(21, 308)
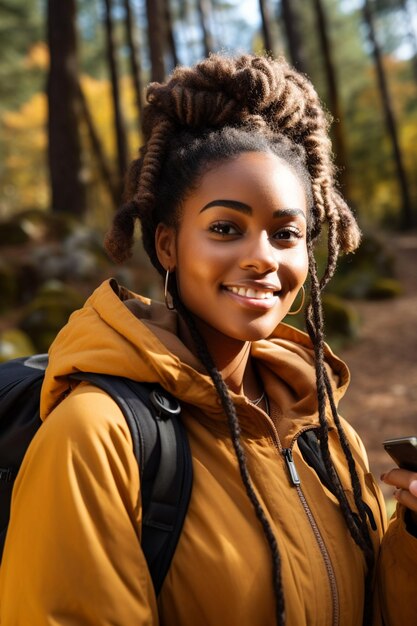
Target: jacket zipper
(295, 480)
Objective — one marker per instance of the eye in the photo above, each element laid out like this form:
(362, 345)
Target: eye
(224, 229)
(289, 233)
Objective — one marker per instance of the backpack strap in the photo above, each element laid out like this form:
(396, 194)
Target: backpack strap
(160, 444)
(311, 451)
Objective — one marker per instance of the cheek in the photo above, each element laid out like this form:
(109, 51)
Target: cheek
(296, 267)
(196, 267)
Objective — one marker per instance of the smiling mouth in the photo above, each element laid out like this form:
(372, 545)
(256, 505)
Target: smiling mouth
(253, 294)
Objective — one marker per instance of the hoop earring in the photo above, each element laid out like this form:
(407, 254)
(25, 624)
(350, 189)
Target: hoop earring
(302, 302)
(169, 306)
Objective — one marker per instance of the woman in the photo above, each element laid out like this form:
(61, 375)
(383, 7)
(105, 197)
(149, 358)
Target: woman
(232, 187)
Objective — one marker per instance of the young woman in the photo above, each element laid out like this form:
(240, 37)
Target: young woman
(232, 187)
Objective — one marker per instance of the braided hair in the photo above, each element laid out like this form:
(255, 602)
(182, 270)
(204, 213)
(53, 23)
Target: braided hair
(212, 112)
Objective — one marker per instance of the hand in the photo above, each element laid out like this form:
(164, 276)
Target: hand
(406, 488)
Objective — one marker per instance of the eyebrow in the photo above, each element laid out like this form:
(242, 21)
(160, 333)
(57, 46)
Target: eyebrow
(245, 208)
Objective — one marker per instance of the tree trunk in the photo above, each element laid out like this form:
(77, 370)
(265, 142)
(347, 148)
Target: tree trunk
(290, 17)
(203, 12)
(156, 32)
(407, 218)
(64, 145)
(266, 26)
(135, 65)
(169, 30)
(119, 122)
(106, 174)
(333, 96)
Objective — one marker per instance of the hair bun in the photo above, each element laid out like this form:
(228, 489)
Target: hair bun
(193, 96)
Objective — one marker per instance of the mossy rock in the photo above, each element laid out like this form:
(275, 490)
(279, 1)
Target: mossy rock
(12, 233)
(385, 289)
(340, 318)
(14, 343)
(28, 279)
(45, 225)
(354, 285)
(84, 238)
(357, 273)
(372, 256)
(49, 312)
(8, 287)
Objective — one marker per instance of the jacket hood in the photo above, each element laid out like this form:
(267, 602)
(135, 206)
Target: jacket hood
(120, 333)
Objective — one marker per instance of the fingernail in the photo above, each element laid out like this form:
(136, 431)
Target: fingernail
(413, 487)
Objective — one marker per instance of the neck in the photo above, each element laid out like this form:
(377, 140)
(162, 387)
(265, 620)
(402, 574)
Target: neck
(231, 357)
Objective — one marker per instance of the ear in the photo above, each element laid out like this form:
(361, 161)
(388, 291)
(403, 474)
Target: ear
(165, 246)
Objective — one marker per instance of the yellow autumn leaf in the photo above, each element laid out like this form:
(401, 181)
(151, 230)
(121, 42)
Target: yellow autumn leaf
(38, 56)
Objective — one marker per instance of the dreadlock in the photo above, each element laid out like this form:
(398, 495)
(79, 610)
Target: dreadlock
(213, 112)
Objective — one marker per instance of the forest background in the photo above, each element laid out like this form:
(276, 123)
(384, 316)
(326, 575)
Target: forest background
(72, 81)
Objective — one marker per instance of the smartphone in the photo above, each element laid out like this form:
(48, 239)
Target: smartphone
(404, 452)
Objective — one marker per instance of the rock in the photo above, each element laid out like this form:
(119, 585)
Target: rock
(12, 233)
(14, 344)
(385, 288)
(46, 225)
(29, 279)
(340, 318)
(357, 273)
(8, 287)
(49, 312)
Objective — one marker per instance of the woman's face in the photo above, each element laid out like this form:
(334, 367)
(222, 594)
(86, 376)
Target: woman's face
(240, 252)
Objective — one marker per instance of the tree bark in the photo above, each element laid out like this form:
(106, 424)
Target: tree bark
(156, 39)
(119, 122)
(106, 173)
(266, 26)
(64, 144)
(135, 65)
(169, 30)
(290, 17)
(333, 96)
(203, 12)
(407, 217)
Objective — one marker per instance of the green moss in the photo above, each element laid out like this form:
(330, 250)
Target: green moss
(14, 343)
(385, 288)
(48, 313)
(8, 287)
(12, 234)
(341, 318)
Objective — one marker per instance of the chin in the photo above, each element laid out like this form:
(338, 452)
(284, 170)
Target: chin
(252, 333)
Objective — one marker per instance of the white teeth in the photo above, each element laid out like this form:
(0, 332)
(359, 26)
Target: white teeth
(252, 293)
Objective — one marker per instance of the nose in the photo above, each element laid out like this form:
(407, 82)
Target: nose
(260, 255)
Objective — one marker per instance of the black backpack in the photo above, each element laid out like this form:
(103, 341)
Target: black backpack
(160, 445)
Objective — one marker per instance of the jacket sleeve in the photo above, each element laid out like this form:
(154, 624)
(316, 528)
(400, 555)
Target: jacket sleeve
(72, 553)
(397, 573)
(395, 591)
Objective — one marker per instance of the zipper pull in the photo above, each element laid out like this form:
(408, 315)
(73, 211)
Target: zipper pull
(292, 470)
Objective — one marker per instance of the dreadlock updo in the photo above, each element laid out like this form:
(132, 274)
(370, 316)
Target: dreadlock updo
(213, 112)
(247, 93)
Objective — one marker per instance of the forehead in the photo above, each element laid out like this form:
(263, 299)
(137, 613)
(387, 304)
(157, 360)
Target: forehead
(254, 178)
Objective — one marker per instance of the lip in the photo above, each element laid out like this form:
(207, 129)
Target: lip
(259, 304)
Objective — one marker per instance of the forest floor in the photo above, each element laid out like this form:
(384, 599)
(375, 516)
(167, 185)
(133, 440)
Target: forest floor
(381, 402)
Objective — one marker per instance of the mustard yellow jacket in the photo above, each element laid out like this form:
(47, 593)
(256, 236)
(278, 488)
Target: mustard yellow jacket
(73, 554)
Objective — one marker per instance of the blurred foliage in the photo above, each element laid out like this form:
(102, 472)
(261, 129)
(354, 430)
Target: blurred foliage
(24, 181)
(39, 247)
(22, 26)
